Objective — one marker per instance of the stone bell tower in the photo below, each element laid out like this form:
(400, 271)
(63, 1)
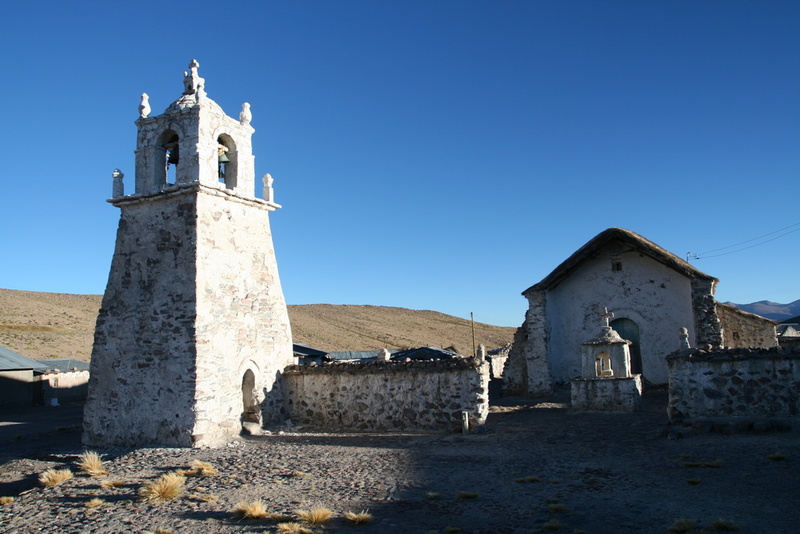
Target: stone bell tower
(193, 332)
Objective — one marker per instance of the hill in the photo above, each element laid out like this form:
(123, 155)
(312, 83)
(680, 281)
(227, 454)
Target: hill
(58, 325)
(771, 310)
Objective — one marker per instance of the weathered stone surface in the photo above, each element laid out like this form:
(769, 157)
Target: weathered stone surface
(389, 395)
(736, 383)
(607, 394)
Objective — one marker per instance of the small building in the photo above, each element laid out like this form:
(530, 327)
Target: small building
(305, 354)
(64, 380)
(653, 293)
(20, 383)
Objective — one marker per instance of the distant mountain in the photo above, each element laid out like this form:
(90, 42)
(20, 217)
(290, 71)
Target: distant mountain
(771, 310)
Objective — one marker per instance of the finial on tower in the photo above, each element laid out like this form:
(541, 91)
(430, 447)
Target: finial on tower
(192, 80)
(144, 106)
(245, 116)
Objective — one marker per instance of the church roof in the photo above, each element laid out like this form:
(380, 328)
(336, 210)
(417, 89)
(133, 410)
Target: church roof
(621, 236)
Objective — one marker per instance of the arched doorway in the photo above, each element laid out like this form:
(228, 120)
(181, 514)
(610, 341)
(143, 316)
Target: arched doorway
(250, 409)
(628, 329)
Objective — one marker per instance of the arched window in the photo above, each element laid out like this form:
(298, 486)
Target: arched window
(603, 365)
(166, 172)
(227, 161)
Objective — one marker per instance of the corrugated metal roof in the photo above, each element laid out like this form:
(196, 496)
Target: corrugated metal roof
(64, 364)
(12, 361)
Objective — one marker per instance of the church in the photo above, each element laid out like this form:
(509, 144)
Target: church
(653, 295)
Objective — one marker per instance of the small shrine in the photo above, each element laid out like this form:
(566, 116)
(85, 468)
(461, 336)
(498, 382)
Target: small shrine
(606, 382)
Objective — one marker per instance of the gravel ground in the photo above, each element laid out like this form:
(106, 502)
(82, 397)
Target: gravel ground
(537, 468)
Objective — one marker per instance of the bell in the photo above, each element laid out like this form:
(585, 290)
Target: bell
(172, 158)
(223, 158)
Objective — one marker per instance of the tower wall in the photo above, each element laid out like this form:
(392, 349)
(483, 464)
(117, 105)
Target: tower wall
(242, 320)
(143, 372)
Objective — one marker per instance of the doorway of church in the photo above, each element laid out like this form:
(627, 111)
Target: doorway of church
(628, 329)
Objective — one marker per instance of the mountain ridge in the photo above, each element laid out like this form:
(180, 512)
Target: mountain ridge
(61, 325)
(771, 310)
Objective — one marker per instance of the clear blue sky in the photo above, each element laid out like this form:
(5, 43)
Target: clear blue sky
(436, 154)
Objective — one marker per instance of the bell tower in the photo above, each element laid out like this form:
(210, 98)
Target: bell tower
(193, 332)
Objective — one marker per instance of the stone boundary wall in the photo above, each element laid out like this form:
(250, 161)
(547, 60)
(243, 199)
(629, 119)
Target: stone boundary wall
(389, 396)
(755, 384)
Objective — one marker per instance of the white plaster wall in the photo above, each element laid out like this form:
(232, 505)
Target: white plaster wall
(657, 298)
(242, 319)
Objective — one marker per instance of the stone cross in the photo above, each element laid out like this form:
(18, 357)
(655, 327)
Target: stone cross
(606, 316)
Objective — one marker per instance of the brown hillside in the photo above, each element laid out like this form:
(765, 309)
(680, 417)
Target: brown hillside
(57, 325)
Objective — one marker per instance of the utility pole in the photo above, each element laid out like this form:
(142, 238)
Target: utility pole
(472, 319)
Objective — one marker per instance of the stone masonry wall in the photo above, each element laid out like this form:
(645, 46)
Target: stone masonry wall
(746, 383)
(142, 373)
(742, 329)
(386, 396)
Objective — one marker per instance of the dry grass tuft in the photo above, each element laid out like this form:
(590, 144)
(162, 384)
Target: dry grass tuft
(92, 464)
(433, 496)
(777, 457)
(683, 525)
(358, 518)
(54, 477)
(724, 525)
(466, 495)
(108, 484)
(301, 474)
(166, 488)
(204, 497)
(315, 516)
(293, 528)
(251, 510)
(527, 480)
(693, 481)
(94, 503)
(556, 508)
(552, 525)
(160, 531)
(6, 500)
(199, 469)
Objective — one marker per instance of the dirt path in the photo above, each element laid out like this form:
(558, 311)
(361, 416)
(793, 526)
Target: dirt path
(537, 468)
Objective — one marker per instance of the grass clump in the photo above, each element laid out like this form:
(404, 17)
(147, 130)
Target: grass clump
(251, 510)
(433, 496)
(315, 516)
(92, 464)
(94, 503)
(358, 518)
(6, 500)
(108, 484)
(556, 508)
(693, 481)
(527, 480)
(552, 525)
(54, 477)
(724, 525)
(166, 488)
(682, 525)
(466, 495)
(293, 528)
(199, 469)
(777, 457)
(160, 531)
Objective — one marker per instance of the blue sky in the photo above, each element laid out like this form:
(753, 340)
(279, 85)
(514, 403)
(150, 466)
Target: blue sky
(440, 155)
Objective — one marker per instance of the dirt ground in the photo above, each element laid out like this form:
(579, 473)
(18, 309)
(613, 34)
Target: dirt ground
(536, 467)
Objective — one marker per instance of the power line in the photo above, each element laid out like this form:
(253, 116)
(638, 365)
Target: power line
(690, 255)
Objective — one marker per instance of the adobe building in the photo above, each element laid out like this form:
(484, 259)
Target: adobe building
(193, 331)
(653, 293)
